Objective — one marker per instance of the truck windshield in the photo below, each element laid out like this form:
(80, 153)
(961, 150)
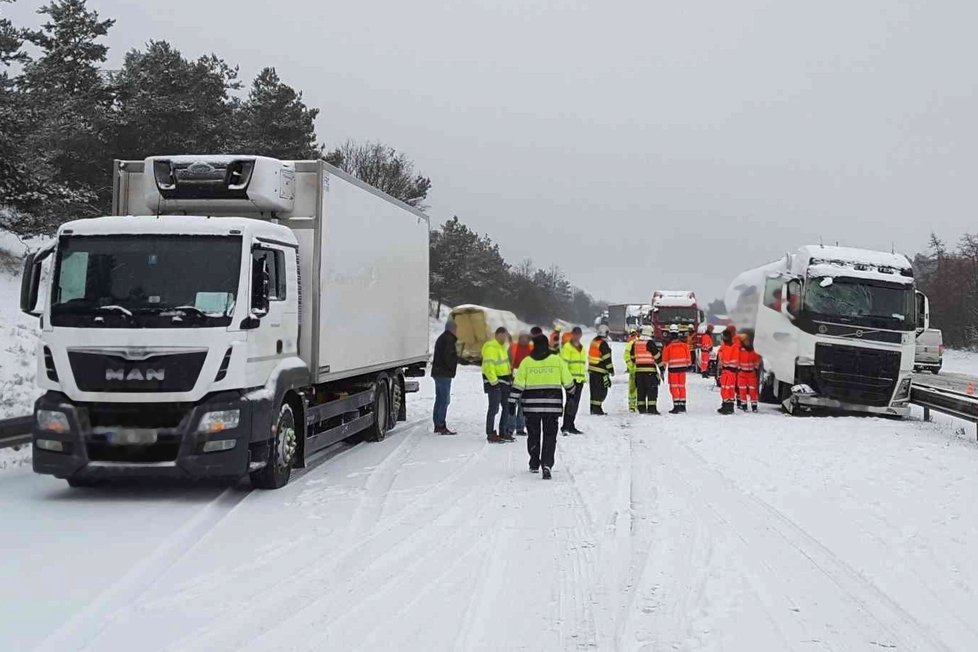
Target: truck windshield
(668, 315)
(860, 302)
(145, 281)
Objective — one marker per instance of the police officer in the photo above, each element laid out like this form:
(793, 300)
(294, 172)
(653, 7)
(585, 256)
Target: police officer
(600, 370)
(645, 358)
(538, 387)
(497, 377)
(572, 353)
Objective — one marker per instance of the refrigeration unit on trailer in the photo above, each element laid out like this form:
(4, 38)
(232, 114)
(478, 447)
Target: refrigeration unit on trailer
(835, 326)
(236, 315)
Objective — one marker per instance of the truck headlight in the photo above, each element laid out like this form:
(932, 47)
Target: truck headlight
(904, 390)
(219, 421)
(52, 421)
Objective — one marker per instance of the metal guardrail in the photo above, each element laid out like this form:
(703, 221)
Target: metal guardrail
(16, 431)
(947, 401)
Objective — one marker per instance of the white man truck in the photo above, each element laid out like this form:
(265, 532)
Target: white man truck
(835, 327)
(236, 315)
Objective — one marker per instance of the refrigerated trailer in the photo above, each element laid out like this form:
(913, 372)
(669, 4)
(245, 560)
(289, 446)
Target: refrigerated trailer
(235, 315)
(835, 326)
(623, 317)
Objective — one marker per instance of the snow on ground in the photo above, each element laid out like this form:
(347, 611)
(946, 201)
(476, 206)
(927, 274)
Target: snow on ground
(695, 532)
(17, 334)
(960, 362)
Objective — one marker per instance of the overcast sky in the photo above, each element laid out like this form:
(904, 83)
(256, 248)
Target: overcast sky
(638, 144)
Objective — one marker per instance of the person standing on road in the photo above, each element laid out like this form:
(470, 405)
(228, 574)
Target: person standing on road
(706, 347)
(749, 364)
(497, 377)
(630, 366)
(676, 356)
(538, 386)
(518, 352)
(444, 364)
(645, 359)
(600, 370)
(572, 353)
(728, 365)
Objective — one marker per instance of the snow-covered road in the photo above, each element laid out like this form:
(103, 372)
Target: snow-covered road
(752, 532)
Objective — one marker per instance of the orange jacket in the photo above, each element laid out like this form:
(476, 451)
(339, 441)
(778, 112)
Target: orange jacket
(728, 357)
(676, 355)
(706, 342)
(518, 352)
(748, 360)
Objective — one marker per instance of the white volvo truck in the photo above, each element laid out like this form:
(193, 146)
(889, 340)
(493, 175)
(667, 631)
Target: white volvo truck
(236, 315)
(835, 327)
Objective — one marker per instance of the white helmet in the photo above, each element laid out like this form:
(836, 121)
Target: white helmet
(647, 331)
(603, 330)
(701, 329)
(674, 328)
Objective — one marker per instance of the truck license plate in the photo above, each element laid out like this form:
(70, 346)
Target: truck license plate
(132, 437)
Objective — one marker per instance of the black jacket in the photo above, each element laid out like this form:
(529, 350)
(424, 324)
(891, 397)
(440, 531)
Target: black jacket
(444, 362)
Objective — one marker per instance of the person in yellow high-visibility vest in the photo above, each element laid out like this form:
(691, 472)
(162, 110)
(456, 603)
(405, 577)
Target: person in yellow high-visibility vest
(632, 389)
(572, 353)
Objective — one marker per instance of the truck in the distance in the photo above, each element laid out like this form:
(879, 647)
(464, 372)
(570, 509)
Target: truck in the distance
(236, 315)
(622, 317)
(677, 307)
(835, 327)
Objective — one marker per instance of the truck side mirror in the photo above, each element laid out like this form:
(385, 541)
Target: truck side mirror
(30, 283)
(923, 312)
(259, 288)
(791, 298)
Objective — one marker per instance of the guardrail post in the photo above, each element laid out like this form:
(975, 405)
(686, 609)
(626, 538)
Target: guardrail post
(926, 413)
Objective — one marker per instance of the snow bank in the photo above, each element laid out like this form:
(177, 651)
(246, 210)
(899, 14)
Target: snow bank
(18, 334)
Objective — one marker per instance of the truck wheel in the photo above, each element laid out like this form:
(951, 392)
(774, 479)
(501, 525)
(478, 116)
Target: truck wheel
(281, 457)
(398, 412)
(382, 418)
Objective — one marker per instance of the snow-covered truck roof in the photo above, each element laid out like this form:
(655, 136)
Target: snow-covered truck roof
(674, 299)
(176, 225)
(820, 261)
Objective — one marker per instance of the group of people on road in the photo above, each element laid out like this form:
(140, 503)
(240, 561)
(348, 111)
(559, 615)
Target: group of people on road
(534, 384)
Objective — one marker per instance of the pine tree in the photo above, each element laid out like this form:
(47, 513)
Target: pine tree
(169, 105)
(69, 101)
(274, 121)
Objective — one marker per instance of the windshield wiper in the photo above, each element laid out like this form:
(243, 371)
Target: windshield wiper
(116, 310)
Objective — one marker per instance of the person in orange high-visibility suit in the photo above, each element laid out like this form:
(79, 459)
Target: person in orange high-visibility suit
(748, 367)
(676, 357)
(736, 344)
(706, 347)
(728, 365)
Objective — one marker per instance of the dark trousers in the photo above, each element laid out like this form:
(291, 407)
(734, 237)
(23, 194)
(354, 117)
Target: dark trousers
(647, 385)
(572, 402)
(498, 398)
(541, 427)
(598, 391)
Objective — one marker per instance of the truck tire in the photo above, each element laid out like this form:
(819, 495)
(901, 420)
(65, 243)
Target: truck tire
(398, 408)
(382, 412)
(281, 455)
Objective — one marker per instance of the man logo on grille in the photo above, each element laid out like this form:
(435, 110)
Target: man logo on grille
(135, 374)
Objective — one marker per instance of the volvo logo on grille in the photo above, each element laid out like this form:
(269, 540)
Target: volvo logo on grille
(823, 329)
(146, 375)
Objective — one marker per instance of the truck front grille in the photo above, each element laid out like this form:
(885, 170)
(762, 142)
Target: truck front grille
(856, 375)
(104, 372)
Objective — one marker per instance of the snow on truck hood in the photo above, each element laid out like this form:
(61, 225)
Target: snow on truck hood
(176, 225)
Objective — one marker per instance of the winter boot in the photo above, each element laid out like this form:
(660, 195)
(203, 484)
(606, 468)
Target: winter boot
(654, 411)
(506, 437)
(521, 433)
(493, 438)
(742, 406)
(676, 409)
(575, 431)
(546, 473)
(753, 408)
(444, 430)
(534, 469)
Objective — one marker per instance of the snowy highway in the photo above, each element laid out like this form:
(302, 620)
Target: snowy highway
(696, 532)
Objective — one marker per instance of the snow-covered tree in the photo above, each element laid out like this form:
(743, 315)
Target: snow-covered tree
(383, 167)
(274, 121)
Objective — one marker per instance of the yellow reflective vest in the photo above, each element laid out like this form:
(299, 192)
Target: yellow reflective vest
(576, 360)
(495, 363)
(539, 385)
(629, 345)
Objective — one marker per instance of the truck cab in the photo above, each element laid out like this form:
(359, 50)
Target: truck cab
(835, 327)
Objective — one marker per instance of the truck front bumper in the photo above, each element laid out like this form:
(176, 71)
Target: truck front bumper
(113, 440)
(813, 402)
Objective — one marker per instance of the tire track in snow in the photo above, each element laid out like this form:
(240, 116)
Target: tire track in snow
(81, 630)
(303, 587)
(791, 555)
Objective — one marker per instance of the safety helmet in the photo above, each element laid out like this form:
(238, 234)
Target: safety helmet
(674, 329)
(632, 329)
(647, 331)
(701, 329)
(602, 330)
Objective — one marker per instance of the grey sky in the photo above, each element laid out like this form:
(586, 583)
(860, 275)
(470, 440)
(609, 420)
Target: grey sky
(638, 144)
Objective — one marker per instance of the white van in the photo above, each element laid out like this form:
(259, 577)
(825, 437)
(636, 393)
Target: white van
(930, 351)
